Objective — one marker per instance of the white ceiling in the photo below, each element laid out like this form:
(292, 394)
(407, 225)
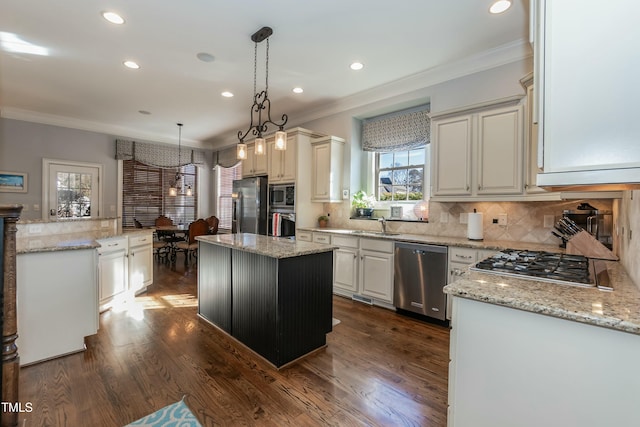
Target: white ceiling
(82, 83)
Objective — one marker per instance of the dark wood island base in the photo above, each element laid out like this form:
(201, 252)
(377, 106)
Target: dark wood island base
(272, 295)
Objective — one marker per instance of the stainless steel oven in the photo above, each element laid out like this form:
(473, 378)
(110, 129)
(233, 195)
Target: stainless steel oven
(282, 196)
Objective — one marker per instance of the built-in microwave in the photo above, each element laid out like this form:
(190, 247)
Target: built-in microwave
(281, 195)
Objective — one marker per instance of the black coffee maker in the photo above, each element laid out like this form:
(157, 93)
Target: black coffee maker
(596, 222)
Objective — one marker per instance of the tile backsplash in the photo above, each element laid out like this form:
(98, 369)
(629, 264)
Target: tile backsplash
(525, 220)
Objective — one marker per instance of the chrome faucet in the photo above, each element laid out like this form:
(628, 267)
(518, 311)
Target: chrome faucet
(383, 223)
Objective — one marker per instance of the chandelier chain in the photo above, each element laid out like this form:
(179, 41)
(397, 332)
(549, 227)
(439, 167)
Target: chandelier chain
(266, 84)
(255, 67)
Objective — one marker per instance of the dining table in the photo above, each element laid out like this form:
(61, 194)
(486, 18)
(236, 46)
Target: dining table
(172, 234)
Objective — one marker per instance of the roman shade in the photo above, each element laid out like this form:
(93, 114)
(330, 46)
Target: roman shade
(398, 131)
(161, 156)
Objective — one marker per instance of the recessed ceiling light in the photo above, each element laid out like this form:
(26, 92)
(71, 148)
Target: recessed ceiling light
(227, 94)
(357, 66)
(205, 57)
(298, 90)
(131, 64)
(113, 17)
(500, 6)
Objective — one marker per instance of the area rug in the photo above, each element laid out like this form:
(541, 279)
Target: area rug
(175, 415)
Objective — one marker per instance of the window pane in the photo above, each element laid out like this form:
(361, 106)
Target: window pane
(400, 177)
(385, 188)
(416, 157)
(401, 158)
(385, 160)
(74, 195)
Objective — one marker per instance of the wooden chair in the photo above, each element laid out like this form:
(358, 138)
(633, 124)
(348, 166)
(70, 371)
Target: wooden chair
(197, 228)
(163, 221)
(213, 224)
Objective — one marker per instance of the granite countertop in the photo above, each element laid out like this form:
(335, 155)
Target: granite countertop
(274, 247)
(68, 241)
(619, 309)
(440, 240)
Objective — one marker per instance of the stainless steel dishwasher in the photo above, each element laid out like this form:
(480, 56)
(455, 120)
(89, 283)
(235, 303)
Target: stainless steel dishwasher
(420, 273)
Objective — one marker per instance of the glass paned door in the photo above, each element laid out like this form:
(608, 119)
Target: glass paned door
(73, 191)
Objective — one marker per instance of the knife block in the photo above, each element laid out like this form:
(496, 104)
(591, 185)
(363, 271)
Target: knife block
(583, 243)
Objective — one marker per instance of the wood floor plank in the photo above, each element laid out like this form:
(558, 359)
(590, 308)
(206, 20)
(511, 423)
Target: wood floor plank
(378, 369)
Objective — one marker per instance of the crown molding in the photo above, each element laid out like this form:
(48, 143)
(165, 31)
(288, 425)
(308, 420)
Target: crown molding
(90, 126)
(413, 86)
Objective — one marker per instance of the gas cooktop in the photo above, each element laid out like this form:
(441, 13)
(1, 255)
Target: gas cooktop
(576, 270)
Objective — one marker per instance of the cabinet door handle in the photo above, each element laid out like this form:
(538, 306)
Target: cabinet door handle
(467, 188)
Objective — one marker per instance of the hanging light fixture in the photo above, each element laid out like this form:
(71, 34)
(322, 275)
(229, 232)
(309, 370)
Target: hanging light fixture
(261, 103)
(177, 182)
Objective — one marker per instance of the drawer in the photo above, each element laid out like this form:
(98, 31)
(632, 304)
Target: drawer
(345, 241)
(113, 244)
(304, 236)
(377, 245)
(141, 239)
(457, 270)
(465, 255)
(321, 238)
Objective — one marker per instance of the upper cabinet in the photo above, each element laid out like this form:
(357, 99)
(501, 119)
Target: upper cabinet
(326, 169)
(478, 152)
(586, 89)
(282, 164)
(254, 164)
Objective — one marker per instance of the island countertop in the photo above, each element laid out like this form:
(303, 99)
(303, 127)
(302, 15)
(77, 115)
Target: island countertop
(619, 309)
(274, 247)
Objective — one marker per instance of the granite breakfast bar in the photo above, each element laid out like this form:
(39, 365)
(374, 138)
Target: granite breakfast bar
(271, 294)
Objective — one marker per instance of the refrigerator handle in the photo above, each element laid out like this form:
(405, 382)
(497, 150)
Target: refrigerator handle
(237, 212)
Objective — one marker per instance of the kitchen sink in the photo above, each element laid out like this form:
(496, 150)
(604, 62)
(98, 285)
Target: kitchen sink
(374, 233)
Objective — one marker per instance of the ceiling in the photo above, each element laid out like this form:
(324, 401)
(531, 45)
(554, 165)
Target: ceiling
(81, 82)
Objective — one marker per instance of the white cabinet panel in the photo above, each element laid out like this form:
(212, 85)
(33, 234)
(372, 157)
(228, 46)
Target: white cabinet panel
(452, 156)
(588, 91)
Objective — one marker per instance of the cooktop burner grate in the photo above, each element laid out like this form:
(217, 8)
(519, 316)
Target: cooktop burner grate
(545, 266)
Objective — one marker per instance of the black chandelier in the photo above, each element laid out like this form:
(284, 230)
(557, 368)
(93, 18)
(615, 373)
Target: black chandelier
(261, 108)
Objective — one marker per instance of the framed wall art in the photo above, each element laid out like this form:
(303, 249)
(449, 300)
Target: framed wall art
(13, 182)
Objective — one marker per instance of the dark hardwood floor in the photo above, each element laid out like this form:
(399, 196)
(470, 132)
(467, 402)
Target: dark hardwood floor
(378, 369)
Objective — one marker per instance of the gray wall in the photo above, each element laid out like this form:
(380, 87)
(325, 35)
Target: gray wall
(23, 145)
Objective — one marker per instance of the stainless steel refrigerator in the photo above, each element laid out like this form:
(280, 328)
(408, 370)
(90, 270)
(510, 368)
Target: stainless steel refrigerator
(250, 205)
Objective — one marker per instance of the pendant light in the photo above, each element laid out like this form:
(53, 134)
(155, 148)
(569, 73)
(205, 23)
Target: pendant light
(173, 189)
(261, 108)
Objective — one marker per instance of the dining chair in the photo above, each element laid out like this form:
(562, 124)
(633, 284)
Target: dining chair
(213, 224)
(197, 228)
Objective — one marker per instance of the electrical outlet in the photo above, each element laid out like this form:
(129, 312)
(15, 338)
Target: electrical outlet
(36, 207)
(464, 218)
(444, 217)
(548, 221)
(502, 219)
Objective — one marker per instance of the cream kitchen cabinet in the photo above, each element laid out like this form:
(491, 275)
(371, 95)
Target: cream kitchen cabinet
(363, 269)
(376, 269)
(326, 169)
(460, 259)
(345, 265)
(254, 164)
(282, 165)
(586, 88)
(113, 271)
(478, 153)
(140, 262)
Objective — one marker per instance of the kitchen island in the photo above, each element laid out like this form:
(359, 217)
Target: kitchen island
(530, 353)
(274, 295)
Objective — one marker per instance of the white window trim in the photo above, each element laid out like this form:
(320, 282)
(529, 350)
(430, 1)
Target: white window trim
(46, 166)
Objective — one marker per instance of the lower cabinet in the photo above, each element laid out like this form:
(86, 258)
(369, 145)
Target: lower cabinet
(125, 267)
(140, 262)
(376, 269)
(113, 269)
(460, 259)
(363, 269)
